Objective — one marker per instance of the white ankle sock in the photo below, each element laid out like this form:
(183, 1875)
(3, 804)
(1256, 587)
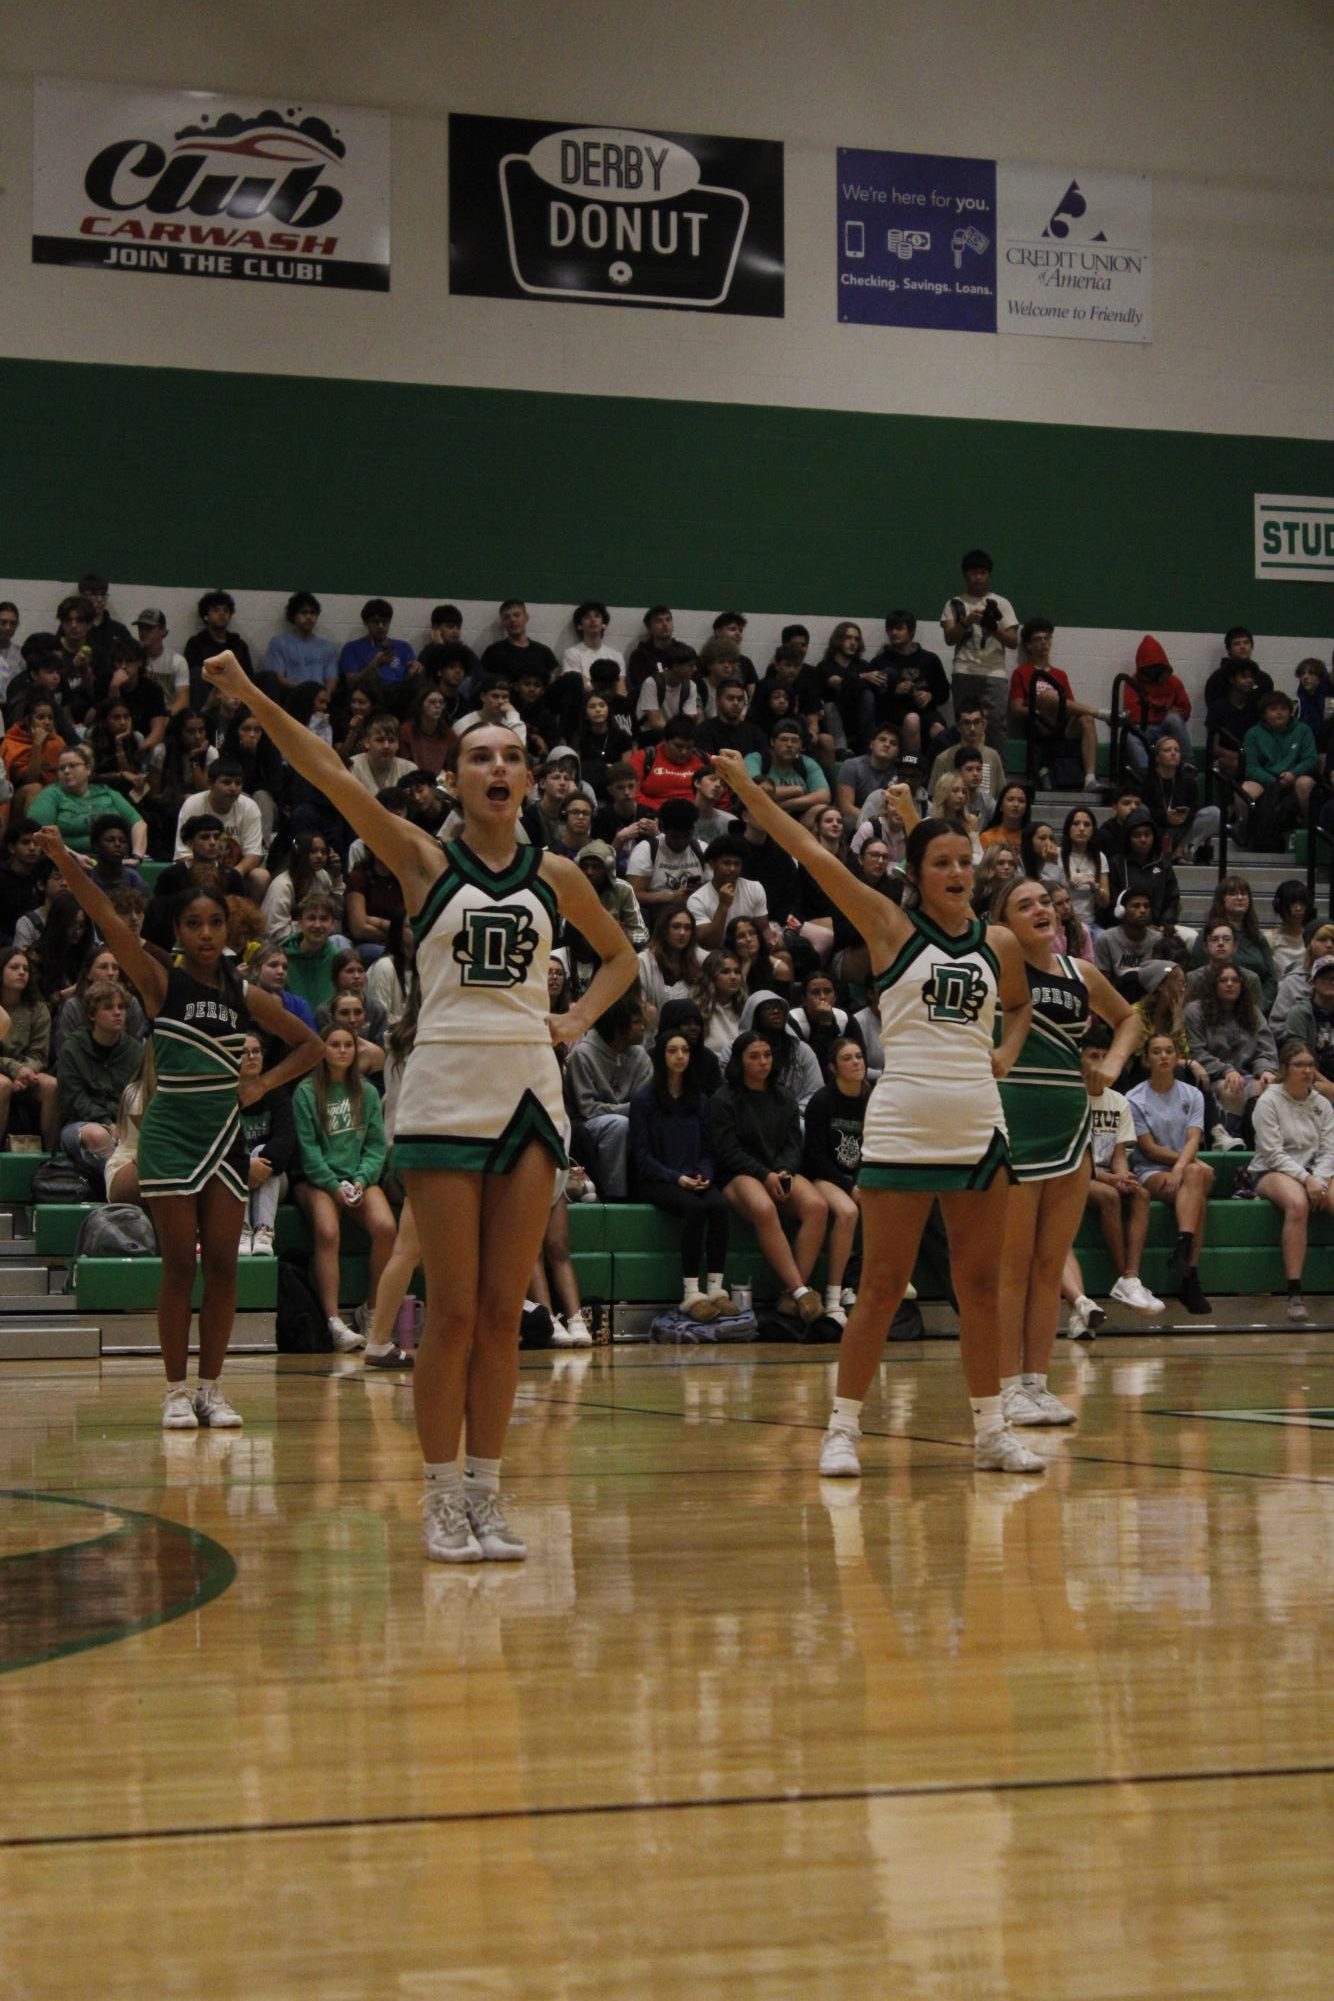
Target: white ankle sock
(833, 1295)
(987, 1414)
(1011, 1383)
(800, 1291)
(691, 1292)
(208, 1382)
(1033, 1381)
(182, 1385)
(715, 1286)
(847, 1414)
(447, 1474)
(482, 1476)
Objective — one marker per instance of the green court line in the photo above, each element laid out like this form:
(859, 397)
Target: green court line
(74, 1576)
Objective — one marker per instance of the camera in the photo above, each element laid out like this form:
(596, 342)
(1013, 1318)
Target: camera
(991, 615)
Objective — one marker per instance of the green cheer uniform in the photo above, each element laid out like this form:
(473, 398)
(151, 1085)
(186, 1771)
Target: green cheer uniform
(191, 1128)
(1046, 1104)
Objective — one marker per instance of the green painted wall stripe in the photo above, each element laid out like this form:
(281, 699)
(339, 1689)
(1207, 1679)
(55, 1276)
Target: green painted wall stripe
(262, 482)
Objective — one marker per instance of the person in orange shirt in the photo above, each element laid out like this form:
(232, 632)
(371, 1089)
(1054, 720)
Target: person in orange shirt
(31, 749)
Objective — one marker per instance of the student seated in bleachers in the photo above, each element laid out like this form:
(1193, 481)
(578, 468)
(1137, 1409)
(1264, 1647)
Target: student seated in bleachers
(670, 964)
(267, 967)
(341, 1155)
(1169, 1132)
(25, 1051)
(1294, 1158)
(795, 1065)
(1185, 829)
(95, 1065)
(666, 866)
(728, 893)
(1296, 985)
(1117, 1197)
(718, 994)
(65, 944)
(268, 1132)
(1010, 819)
(674, 1170)
(1128, 945)
(311, 951)
(831, 1158)
(1233, 901)
(683, 1017)
(1287, 941)
(756, 1138)
(812, 906)
(603, 1071)
(72, 1017)
(309, 866)
(350, 977)
(820, 1022)
(998, 866)
(1219, 939)
(858, 777)
(1281, 762)
(1312, 1021)
(74, 802)
(1232, 1042)
(1141, 865)
(795, 780)
(1065, 730)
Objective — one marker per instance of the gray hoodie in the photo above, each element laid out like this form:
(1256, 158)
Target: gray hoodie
(598, 1081)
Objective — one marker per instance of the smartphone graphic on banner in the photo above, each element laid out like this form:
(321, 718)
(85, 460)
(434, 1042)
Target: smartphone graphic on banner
(854, 239)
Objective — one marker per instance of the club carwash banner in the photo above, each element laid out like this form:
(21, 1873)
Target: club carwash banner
(615, 215)
(199, 184)
(983, 246)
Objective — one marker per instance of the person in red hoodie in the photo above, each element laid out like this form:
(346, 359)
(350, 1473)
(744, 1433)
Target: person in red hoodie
(1157, 704)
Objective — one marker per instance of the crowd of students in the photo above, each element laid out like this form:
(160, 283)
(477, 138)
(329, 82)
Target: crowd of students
(732, 1080)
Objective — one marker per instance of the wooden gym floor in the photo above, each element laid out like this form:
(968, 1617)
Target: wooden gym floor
(728, 1732)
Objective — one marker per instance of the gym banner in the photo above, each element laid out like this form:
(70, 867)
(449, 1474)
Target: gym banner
(203, 185)
(612, 215)
(985, 246)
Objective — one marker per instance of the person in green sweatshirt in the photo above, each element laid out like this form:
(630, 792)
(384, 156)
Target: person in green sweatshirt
(311, 951)
(1281, 760)
(341, 1155)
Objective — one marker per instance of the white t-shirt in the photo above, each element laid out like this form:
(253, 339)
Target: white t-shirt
(1113, 1126)
(170, 672)
(683, 700)
(579, 660)
(242, 823)
(749, 901)
(980, 652)
(669, 871)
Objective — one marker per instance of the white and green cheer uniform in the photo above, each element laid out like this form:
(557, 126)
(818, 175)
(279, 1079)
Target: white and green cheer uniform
(1046, 1103)
(935, 1119)
(191, 1126)
(482, 1079)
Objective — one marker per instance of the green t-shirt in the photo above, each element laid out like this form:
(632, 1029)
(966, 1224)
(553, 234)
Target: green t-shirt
(74, 813)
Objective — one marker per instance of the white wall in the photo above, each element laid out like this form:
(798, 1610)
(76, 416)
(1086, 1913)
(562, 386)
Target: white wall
(1090, 654)
(1225, 104)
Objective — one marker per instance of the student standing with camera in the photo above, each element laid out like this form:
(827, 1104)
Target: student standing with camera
(982, 627)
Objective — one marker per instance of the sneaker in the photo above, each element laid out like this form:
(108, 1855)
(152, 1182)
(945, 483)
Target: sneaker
(261, 1243)
(1020, 1406)
(495, 1538)
(1078, 1327)
(213, 1409)
(847, 1299)
(1191, 1294)
(837, 1315)
(446, 1529)
(346, 1340)
(178, 1411)
(1093, 1314)
(1225, 1142)
(1133, 1292)
(245, 1244)
(392, 1357)
(1092, 782)
(1051, 1409)
(560, 1333)
(578, 1332)
(809, 1305)
(1297, 1308)
(999, 1451)
(909, 1292)
(838, 1454)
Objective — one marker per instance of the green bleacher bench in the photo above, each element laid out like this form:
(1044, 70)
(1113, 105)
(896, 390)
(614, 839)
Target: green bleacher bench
(150, 871)
(131, 1285)
(16, 1172)
(1299, 844)
(56, 1226)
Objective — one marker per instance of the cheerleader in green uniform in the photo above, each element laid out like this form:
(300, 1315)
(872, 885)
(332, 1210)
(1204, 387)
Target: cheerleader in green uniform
(192, 1163)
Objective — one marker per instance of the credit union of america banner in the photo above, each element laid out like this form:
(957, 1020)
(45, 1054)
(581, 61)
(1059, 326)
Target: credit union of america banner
(198, 184)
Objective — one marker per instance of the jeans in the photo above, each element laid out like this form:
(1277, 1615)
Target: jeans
(1149, 733)
(263, 1204)
(92, 1164)
(704, 1223)
(603, 1143)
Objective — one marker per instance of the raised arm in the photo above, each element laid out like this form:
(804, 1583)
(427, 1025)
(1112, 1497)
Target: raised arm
(148, 975)
(578, 902)
(413, 856)
(878, 919)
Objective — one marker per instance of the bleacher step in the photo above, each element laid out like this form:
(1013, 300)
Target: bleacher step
(21, 1281)
(34, 1341)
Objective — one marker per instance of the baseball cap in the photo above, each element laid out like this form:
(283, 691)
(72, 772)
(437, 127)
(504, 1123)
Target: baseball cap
(152, 617)
(1325, 965)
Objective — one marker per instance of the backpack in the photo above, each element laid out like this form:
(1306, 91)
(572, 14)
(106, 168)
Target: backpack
(655, 842)
(300, 1327)
(117, 1230)
(59, 1180)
